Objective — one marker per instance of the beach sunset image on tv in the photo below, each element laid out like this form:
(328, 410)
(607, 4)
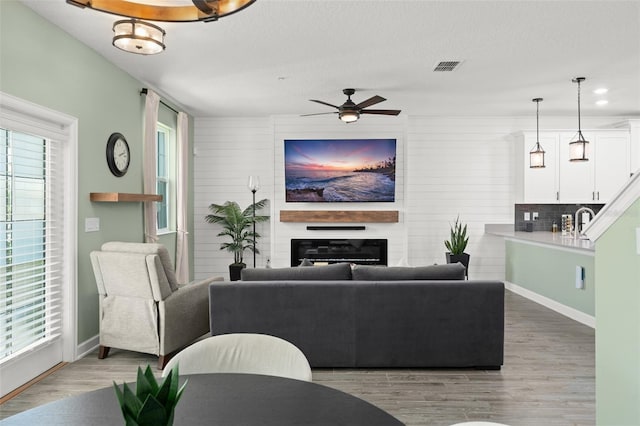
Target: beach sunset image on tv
(340, 170)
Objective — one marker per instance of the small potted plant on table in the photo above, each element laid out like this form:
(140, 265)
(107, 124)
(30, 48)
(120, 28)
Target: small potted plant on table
(456, 244)
(152, 403)
(236, 224)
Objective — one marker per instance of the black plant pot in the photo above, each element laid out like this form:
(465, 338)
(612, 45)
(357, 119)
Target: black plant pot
(462, 258)
(235, 270)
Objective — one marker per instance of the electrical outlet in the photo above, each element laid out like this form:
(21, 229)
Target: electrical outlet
(535, 215)
(579, 277)
(527, 216)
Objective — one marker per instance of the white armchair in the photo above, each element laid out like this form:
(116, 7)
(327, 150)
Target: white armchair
(142, 306)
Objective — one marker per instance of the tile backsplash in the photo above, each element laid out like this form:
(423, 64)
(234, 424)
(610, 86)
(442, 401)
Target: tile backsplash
(547, 214)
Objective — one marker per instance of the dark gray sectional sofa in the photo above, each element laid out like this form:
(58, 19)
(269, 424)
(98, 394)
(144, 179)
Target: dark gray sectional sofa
(369, 316)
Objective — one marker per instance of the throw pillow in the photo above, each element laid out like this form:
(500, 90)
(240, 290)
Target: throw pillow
(452, 271)
(333, 272)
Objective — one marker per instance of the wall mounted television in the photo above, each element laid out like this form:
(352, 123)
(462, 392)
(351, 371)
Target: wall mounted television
(340, 170)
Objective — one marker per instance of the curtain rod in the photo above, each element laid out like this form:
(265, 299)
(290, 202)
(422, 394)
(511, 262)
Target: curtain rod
(144, 92)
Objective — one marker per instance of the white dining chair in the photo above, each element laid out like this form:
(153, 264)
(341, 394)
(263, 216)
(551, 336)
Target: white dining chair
(242, 353)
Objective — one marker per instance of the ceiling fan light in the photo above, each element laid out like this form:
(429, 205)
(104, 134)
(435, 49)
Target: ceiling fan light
(134, 36)
(349, 116)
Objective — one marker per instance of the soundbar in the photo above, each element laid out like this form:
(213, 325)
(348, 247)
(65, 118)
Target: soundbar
(336, 228)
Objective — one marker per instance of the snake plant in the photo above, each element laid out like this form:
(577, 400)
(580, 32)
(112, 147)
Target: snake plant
(457, 242)
(152, 403)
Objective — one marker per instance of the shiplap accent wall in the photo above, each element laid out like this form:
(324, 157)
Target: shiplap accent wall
(226, 152)
(459, 167)
(446, 166)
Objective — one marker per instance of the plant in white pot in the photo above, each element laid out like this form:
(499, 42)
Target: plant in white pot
(456, 244)
(236, 224)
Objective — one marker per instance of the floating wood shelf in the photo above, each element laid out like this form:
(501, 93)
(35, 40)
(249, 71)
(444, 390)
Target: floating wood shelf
(339, 216)
(120, 197)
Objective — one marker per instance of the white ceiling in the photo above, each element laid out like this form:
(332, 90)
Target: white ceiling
(275, 55)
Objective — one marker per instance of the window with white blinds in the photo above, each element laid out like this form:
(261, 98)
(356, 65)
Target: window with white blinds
(31, 268)
(165, 178)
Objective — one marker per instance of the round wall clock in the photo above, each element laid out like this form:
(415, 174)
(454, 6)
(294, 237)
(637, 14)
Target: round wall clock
(118, 155)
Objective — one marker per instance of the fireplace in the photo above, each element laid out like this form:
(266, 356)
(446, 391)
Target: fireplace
(336, 250)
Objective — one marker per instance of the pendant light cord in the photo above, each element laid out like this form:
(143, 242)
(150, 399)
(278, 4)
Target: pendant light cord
(580, 136)
(579, 128)
(537, 101)
(538, 123)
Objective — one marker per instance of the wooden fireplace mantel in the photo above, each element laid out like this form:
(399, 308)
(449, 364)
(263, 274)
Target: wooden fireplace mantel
(340, 216)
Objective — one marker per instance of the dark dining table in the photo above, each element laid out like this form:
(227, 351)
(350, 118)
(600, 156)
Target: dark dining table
(223, 399)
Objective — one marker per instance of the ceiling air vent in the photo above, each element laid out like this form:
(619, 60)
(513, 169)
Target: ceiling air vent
(446, 66)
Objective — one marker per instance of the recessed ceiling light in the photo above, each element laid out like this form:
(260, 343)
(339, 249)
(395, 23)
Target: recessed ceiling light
(601, 91)
(602, 102)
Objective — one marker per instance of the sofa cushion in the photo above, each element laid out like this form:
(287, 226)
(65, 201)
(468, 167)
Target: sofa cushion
(316, 316)
(336, 271)
(452, 271)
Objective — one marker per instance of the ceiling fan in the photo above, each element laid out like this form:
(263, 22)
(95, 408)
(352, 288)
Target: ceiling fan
(350, 111)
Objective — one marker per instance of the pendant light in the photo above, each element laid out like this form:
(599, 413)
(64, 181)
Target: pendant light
(536, 155)
(579, 148)
(135, 36)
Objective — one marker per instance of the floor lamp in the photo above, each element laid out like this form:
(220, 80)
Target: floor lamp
(254, 185)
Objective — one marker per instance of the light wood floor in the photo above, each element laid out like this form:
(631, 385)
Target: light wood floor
(548, 378)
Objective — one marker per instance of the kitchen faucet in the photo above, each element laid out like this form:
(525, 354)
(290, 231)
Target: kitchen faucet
(578, 231)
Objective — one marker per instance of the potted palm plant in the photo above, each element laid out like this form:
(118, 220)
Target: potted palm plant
(456, 244)
(236, 224)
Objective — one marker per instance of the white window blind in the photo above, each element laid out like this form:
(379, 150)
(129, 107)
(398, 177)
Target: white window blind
(165, 177)
(31, 233)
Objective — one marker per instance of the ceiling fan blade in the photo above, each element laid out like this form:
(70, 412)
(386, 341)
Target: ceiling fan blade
(381, 111)
(371, 101)
(323, 103)
(318, 113)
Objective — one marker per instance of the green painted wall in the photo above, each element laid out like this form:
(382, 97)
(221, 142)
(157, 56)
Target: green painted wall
(43, 64)
(551, 273)
(618, 322)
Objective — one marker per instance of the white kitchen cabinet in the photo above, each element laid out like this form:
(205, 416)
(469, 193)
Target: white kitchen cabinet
(596, 180)
(563, 181)
(612, 164)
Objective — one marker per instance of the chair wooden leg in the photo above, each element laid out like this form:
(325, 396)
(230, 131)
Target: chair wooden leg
(103, 352)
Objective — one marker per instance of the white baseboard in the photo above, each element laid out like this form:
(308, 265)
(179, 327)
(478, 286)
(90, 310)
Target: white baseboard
(87, 347)
(565, 310)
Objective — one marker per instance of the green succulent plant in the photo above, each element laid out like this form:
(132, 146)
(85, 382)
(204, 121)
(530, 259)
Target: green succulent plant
(152, 404)
(457, 242)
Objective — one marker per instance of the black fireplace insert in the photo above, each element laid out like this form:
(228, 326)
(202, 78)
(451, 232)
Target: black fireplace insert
(360, 251)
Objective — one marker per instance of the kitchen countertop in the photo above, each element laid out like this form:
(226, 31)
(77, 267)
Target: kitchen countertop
(553, 239)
